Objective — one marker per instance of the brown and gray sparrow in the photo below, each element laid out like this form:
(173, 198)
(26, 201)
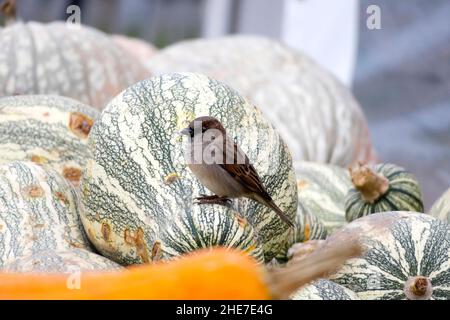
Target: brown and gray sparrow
(222, 167)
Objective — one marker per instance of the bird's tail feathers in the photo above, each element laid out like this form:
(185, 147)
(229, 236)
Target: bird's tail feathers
(269, 203)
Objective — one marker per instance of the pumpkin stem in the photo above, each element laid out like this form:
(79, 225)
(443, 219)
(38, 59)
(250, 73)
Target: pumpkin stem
(323, 262)
(418, 288)
(370, 184)
(8, 9)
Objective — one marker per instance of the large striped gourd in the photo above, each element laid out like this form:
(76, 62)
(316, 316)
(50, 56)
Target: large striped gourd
(138, 192)
(48, 130)
(64, 59)
(317, 116)
(39, 210)
(406, 256)
(321, 191)
(385, 187)
(324, 290)
(71, 260)
(441, 208)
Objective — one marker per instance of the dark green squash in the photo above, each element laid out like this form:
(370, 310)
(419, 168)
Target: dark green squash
(385, 187)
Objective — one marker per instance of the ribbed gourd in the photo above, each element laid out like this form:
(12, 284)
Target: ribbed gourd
(138, 192)
(441, 207)
(65, 261)
(49, 130)
(64, 59)
(406, 256)
(321, 190)
(385, 187)
(39, 210)
(317, 116)
(324, 290)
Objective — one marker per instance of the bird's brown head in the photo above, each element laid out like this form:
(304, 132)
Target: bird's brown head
(200, 125)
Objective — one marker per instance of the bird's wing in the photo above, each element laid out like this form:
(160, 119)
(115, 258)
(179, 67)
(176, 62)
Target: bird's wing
(242, 170)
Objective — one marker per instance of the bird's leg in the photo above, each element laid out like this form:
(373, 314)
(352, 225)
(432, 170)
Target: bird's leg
(204, 196)
(213, 199)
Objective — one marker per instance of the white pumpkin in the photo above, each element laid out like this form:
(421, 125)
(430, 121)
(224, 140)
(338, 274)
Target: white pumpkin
(64, 59)
(316, 115)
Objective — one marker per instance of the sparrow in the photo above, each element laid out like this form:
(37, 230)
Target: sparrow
(222, 167)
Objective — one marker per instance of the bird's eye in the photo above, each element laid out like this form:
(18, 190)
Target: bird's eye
(191, 131)
(204, 129)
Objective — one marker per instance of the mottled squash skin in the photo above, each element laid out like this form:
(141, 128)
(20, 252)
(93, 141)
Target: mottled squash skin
(138, 193)
(66, 261)
(398, 247)
(39, 211)
(64, 59)
(51, 131)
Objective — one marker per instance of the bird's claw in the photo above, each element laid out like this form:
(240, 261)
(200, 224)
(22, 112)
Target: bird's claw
(214, 199)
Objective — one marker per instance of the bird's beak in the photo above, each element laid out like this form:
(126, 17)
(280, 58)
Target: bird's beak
(185, 132)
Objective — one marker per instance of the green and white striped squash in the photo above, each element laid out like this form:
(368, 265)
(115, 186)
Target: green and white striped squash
(48, 130)
(70, 260)
(138, 192)
(307, 227)
(39, 210)
(324, 290)
(406, 256)
(64, 59)
(441, 208)
(321, 191)
(385, 187)
(317, 116)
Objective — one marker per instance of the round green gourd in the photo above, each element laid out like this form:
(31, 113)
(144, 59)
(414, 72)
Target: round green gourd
(71, 260)
(441, 208)
(138, 192)
(386, 187)
(39, 210)
(321, 191)
(48, 130)
(324, 290)
(405, 256)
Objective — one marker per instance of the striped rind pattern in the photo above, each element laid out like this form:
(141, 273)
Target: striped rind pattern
(39, 210)
(397, 246)
(321, 191)
(37, 128)
(404, 194)
(64, 59)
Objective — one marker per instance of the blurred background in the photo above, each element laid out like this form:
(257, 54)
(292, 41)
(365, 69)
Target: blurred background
(400, 73)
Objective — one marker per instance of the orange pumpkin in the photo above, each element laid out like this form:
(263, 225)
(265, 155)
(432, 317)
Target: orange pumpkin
(216, 273)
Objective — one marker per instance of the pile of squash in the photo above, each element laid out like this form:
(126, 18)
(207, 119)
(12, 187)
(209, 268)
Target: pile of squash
(93, 182)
